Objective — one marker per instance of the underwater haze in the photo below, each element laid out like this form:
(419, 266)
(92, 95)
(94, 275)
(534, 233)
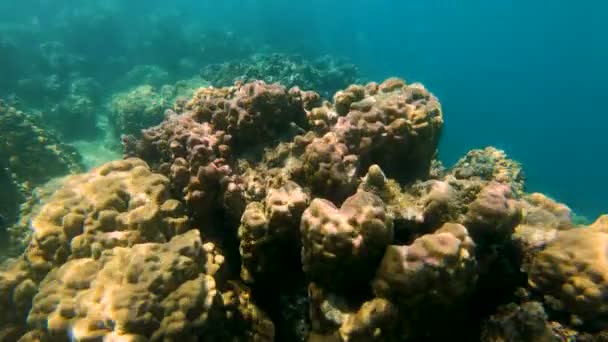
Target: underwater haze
(322, 170)
(525, 76)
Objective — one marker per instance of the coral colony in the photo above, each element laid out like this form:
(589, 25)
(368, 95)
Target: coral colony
(257, 212)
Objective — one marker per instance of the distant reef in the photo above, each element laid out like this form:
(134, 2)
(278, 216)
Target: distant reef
(325, 75)
(144, 106)
(30, 155)
(259, 212)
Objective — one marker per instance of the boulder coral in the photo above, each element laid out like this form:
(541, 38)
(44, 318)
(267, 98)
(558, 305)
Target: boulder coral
(542, 219)
(572, 270)
(252, 113)
(269, 231)
(494, 213)
(436, 269)
(329, 169)
(121, 203)
(132, 293)
(344, 246)
(235, 122)
(394, 125)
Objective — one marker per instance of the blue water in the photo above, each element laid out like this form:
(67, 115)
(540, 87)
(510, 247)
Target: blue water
(526, 76)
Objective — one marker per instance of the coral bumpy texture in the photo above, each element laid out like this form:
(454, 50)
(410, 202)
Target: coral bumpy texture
(261, 213)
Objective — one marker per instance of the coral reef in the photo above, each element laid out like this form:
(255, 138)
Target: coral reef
(262, 213)
(144, 106)
(30, 155)
(24, 139)
(53, 67)
(572, 270)
(344, 246)
(269, 230)
(74, 116)
(66, 99)
(528, 322)
(195, 148)
(324, 75)
(491, 164)
(9, 201)
(355, 175)
(436, 269)
(112, 246)
(119, 204)
(19, 232)
(152, 75)
(210, 152)
(129, 287)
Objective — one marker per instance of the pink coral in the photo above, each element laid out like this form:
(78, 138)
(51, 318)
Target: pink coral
(493, 215)
(396, 126)
(436, 269)
(269, 232)
(344, 245)
(329, 169)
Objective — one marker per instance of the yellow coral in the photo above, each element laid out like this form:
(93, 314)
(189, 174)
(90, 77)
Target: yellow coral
(573, 268)
(121, 294)
(118, 204)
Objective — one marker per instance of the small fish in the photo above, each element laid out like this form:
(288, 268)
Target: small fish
(2, 221)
